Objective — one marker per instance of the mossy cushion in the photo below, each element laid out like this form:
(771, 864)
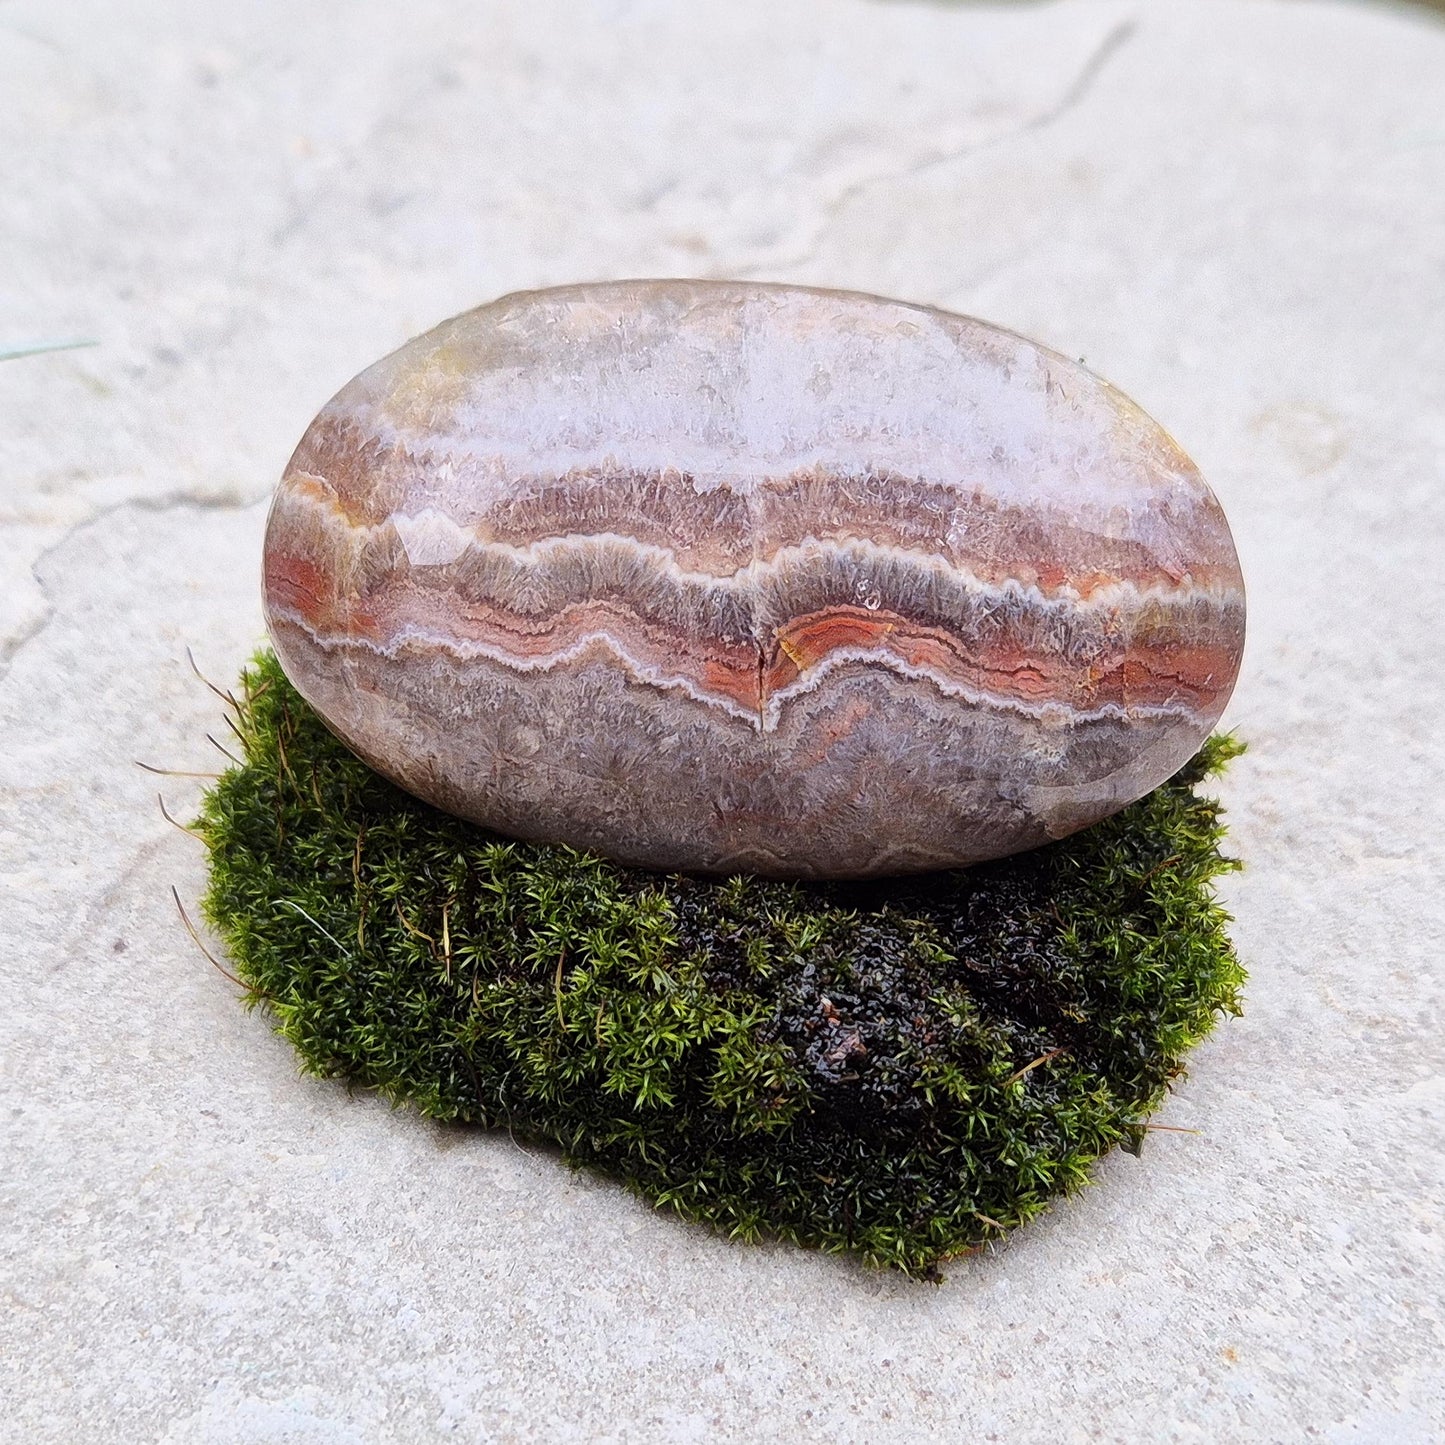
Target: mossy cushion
(904, 1069)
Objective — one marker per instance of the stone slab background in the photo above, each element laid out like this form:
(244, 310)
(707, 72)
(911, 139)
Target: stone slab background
(1235, 209)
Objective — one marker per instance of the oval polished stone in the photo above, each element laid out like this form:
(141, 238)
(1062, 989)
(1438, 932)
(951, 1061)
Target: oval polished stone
(724, 576)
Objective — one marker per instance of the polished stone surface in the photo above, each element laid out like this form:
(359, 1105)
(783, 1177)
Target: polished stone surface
(723, 576)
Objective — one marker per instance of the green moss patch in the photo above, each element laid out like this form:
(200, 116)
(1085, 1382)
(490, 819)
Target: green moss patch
(903, 1069)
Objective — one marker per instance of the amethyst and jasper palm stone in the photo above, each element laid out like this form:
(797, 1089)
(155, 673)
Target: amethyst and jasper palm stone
(718, 577)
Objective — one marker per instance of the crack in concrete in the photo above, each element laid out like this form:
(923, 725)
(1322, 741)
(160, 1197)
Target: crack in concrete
(1086, 79)
(1078, 90)
(166, 502)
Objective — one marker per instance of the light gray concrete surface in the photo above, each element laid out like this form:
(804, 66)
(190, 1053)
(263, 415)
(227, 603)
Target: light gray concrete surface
(1235, 209)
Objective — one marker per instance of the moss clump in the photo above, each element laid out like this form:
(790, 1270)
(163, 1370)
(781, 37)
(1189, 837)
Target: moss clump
(902, 1069)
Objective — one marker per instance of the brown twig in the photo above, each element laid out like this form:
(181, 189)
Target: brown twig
(222, 693)
(240, 736)
(189, 832)
(1029, 1067)
(1174, 858)
(172, 772)
(226, 751)
(210, 957)
(415, 932)
(284, 764)
(356, 879)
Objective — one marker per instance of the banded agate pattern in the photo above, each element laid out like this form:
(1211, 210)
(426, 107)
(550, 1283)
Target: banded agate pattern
(720, 576)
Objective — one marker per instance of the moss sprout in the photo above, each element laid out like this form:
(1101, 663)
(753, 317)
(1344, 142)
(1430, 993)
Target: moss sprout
(904, 1069)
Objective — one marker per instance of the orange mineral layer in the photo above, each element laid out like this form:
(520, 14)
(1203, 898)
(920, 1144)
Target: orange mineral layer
(723, 576)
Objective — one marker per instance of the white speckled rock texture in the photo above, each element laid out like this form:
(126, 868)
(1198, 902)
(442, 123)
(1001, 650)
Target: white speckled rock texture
(1235, 209)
